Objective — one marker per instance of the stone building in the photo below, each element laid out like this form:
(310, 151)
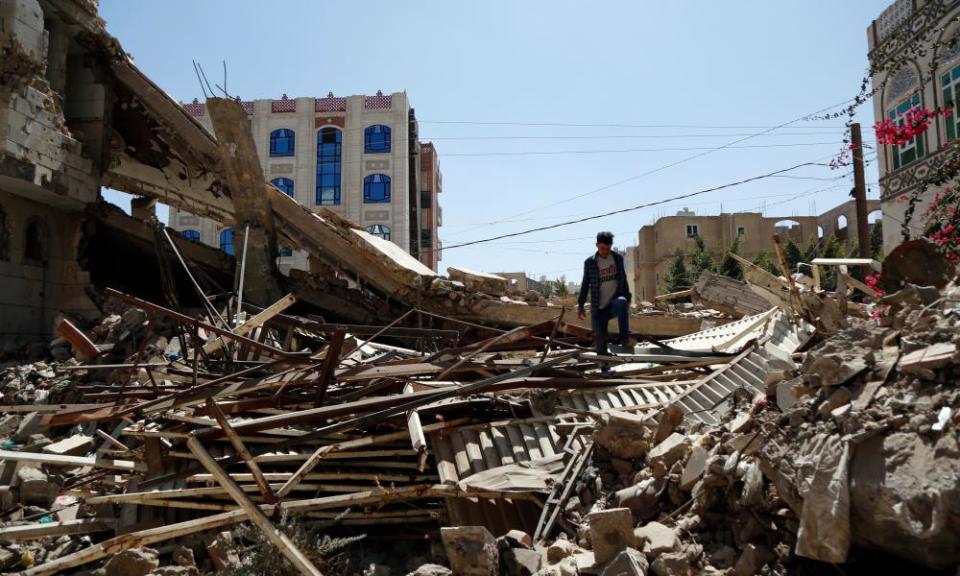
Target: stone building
(658, 242)
(906, 78)
(359, 156)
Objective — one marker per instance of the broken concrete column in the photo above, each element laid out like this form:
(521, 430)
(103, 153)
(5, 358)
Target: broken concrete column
(471, 550)
(610, 532)
(240, 167)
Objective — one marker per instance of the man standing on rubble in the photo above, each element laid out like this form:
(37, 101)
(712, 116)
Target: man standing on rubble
(605, 278)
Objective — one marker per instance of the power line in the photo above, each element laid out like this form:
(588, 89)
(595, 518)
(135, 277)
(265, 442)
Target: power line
(617, 151)
(670, 165)
(633, 208)
(624, 136)
(614, 125)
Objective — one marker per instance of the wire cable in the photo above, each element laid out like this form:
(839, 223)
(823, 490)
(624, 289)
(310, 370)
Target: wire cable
(634, 208)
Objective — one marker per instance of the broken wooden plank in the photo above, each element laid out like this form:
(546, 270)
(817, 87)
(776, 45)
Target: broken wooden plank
(77, 339)
(256, 515)
(256, 321)
(53, 529)
(75, 461)
(242, 451)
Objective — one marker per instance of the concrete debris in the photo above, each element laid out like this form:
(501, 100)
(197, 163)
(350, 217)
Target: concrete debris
(625, 435)
(610, 532)
(471, 550)
(629, 562)
(133, 562)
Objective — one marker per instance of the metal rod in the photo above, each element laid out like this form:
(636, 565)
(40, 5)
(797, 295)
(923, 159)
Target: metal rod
(243, 270)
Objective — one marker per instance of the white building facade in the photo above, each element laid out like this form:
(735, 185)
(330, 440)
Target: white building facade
(358, 156)
(927, 76)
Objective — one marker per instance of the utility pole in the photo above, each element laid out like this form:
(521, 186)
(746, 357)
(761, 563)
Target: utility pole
(860, 191)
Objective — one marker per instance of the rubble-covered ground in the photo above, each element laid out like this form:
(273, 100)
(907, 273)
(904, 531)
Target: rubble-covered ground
(846, 462)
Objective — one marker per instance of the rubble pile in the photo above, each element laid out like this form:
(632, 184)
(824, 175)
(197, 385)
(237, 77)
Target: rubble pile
(158, 442)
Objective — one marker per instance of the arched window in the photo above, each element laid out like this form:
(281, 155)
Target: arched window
(226, 241)
(913, 149)
(285, 185)
(376, 139)
(191, 234)
(376, 188)
(35, 242)
(282, 142)
(381, 230)
(950, 84)
(329, 142)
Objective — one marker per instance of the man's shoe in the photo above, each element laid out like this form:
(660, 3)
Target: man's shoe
(630, 343)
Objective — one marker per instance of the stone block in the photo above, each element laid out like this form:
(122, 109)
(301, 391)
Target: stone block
(471, 550)
(665, 454)
(35, 488)
(610, 532)
(694, 468)
(629, 562)
(76, 445)
(752, 559)
(521, 561)
(133, 562)
(655, 539)
(624, 435)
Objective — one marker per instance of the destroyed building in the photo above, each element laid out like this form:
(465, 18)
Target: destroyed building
(198, 413)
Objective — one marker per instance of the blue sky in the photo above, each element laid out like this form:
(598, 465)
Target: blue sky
(547, 111)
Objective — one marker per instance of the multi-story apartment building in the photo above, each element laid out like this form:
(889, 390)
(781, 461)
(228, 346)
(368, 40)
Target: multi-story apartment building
(431, 214)
(658, 242)
(916, 67)
(358, 155)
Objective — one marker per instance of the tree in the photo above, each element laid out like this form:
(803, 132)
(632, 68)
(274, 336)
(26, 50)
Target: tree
(560, 287)
(700, 261)
(812, 251)
(793, 255)
(763, 261)
(677, 276)
(876, 240)
(729, 266)
(828, 274)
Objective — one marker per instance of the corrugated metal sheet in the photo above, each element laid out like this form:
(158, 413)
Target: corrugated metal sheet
(464, 451)
(647, 394)
(711, 398)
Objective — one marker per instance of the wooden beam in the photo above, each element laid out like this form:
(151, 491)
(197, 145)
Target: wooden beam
(257, 516)
(241, 450)
(672, 296)
(254, 322)
(52, 529)
(74, 461)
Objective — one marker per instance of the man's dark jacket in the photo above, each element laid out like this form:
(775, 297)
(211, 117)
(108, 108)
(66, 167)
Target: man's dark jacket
(591, 281)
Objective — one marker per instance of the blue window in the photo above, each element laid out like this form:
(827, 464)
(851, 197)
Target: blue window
(376, 188)
(329, 143)
(285, 185)
(226, 241)
(282, 142)
(284, 251)
(191, 234)
(376, 139)
(381, 230)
